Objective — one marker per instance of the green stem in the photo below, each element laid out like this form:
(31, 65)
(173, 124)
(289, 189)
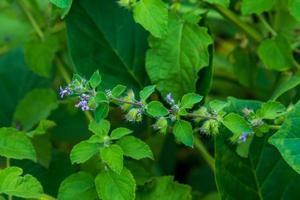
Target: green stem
(138, 104)
(267, 25)
(275, 127)
(231, 16)
(8, 165)
(205, 154)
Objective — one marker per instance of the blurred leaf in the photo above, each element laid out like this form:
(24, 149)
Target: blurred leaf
(257, 6)
(271, 110)
(113, 186)
(39, 54)
(135, 148)
(183, 132)
(118, 90)
(42, 128)
(294, 8)
(12, 183)
(146, 92)
(285, 86)
(35, 106)
(189, 100)
(224, 3)
(95, 79)
(156, 109)
(113, 157)
(173, 61)
(101, 112)
(77, 186)
(104, 43)
(152, 15)
(43, 148)
(15, 144)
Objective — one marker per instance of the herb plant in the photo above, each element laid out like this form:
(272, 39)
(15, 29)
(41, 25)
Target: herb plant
(149, 99)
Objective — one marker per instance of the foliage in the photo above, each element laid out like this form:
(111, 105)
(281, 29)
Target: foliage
(149, 99)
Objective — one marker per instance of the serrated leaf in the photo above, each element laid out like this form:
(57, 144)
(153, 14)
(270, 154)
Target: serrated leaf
(95, 79)
(113, 186)
(257, 6)
(135, 148)
(100, 128)
(271, 110)
(146, 92)
(276, 53)
(157, 109)
(165, 188)
(236, 124)
(115, 47)
(113, 157)
(40, 54)
(12, 183)
(15, 144)
(189, 100)
(173, 61)
(119, 133)
(152, 15)
(77, 186)
(118, 90)
(183, 132)
(83, 151)
(35, 106)
(286, 139)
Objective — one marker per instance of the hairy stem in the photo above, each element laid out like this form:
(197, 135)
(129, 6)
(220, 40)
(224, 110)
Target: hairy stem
(138, 104)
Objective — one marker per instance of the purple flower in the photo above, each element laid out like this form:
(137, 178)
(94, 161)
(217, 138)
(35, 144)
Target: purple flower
(64, 92)
(170, 100)
(243, 137)
(83, 103)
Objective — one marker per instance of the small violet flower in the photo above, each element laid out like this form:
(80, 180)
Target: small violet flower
(64, 92)
(170, 100)
(83, 103)
(244, 137)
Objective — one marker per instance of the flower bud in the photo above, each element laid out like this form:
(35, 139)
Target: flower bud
(210, 127)
(202, 111)
(129, 98)
(134, 115)
(161, 124)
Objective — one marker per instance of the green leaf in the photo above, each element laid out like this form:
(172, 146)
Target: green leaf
(217, 105)
(115, 47)
(119, 133)
(61, 3)
(113, 157)
(43, 147)
(15, 144)
(286, 139)
(165, 188)
(183, 132)
(271, 110)
(35, 106)
(285, 86)
(135, 148)
(276, 53)
(39, 54)
(118, 90)
(224, 3)
(257, 6)
(146, 92)
(152, 15)
(12, 183)
(95, 79)
(189, 100)
(101, 128)
(42, 128)
(173, 61)
(156, 109)
(101, 98)
(236, 124)
(113, 186)
(294, 8)
(101, 112)
(77, 186)
(83, 151)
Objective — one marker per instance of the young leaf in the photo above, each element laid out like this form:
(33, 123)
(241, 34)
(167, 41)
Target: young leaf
(217, 105)
(12, 183)
(101, 112)
(100, 128)
(183, 132)
(135, 148)
(237, 125)
(271, 110)
(77, 187)
(15, 144)
(146, 92)
(101, 98)
(152, 15)
(42, 128)
(40, 54)
(95, 79)
(173, 61)
(35, 106)
(257, 6)
(83, 151)
(113, 157)
(276, 53)
(113, 186)
(287, 139)
(119, 132)
(118, 90)
(189, 100)
(156, 109)
(285, 86)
